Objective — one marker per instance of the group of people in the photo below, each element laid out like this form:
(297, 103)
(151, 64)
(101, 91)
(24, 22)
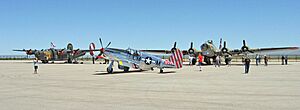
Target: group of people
(246, 61)
(258, 60)
(217, 60)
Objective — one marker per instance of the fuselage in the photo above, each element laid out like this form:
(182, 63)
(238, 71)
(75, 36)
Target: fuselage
(208, 49)
(135, 59)
(57, 54)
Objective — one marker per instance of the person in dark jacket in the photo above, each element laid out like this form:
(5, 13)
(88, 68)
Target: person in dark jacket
(282, 60)
(286, 59)
(266, 60)
(247, 64)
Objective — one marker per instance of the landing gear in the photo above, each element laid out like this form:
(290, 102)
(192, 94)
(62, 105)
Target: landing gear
(194, 60)
(152, 69)
(161, 71)
(44, 61)
(207, 60)
(69, 60)
(126, 69)
(109, 70)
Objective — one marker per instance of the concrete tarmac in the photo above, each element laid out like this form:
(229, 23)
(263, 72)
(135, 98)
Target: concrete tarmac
(86, 86)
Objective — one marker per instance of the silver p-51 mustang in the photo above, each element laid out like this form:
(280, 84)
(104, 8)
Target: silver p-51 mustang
(131, 58)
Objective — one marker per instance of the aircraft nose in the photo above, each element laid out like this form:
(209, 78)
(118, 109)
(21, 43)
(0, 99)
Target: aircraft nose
(204, 47)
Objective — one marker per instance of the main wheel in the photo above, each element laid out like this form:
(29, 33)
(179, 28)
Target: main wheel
(109, 70)
(126, 69)
(161, 71)
(194, 61)
(69, 60)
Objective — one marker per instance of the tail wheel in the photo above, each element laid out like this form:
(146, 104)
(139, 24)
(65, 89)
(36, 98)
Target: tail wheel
(109, 70)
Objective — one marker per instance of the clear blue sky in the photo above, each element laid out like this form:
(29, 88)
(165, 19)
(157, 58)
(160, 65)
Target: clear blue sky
(147, 24)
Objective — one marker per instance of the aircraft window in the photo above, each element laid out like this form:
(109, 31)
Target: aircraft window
(204, 47)
(130, 51)
(137, 53)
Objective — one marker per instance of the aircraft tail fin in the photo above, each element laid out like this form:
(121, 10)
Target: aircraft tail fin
(177, 58)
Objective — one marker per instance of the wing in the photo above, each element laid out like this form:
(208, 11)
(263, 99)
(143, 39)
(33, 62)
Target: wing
(274, 49)
(184, 52)
(23, 50)
(157, 51)
(28, 52)
(85, 50)
(264, 50)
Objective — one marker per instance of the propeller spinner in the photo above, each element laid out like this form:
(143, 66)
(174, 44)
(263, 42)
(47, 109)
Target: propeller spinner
(103, 49)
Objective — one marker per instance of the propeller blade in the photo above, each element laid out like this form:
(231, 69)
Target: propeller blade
(244, 43)
(224, 44)
(191, 44)
(220, 46)
(175, 45)
(101, 42)
(108, 44)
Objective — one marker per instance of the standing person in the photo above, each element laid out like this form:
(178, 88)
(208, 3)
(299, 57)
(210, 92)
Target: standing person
(229, 60)
(35, 66)
(282, 60)
(266, 60)
(217, 62)
(200, 60)
(191, 60)
(243, 59)
(257, 58)
(226, 59)
(286, 59)
(247, 65)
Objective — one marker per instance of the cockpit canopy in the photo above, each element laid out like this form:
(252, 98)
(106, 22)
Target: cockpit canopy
(133, 52)
(210, 41)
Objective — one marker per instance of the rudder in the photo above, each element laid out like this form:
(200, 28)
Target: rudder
(176, 58)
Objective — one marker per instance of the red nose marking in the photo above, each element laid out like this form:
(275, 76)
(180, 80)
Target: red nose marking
(102, 49)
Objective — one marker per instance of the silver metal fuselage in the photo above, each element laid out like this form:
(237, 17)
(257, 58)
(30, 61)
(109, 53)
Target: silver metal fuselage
(135, 59)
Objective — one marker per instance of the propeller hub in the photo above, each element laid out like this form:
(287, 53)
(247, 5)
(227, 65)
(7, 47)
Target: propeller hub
(102, 49)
